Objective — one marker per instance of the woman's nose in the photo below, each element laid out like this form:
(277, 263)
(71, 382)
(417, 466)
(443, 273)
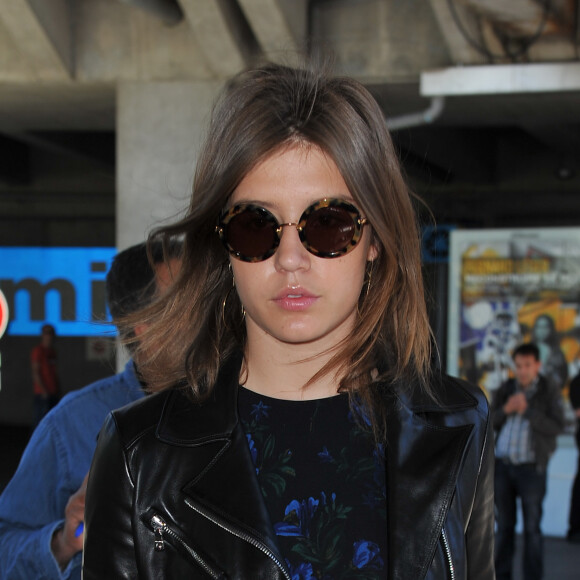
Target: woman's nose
(291, 255)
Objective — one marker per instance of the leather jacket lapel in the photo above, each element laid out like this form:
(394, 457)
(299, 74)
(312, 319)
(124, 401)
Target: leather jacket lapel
(243, 513)
(218, 448)
(422, 462)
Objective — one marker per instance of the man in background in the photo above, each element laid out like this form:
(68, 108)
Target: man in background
(42, 507)
(45, 382)
(527, 415)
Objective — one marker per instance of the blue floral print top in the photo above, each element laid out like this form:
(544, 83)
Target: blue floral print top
(323, 480)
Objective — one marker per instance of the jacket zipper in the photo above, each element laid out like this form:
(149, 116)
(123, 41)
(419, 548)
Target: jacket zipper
(160, 529)
(448, 554)
(240, 534)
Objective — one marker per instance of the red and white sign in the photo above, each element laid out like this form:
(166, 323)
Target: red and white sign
(3, 314)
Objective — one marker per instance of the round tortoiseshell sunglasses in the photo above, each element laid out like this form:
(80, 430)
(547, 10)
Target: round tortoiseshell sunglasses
(328, 228)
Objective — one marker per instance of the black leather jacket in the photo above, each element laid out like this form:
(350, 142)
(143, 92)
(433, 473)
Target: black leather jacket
(173, 491)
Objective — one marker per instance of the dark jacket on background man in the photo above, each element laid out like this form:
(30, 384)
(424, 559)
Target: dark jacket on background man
(545, 414)
(178, 476)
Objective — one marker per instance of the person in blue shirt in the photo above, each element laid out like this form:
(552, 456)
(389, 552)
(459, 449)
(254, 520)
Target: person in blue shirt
(42, 507)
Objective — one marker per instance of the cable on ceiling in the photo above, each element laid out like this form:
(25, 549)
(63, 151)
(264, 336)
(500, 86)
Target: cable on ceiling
(485, 50)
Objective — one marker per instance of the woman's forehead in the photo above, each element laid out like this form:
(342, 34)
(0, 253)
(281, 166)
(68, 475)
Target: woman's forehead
(293, 174)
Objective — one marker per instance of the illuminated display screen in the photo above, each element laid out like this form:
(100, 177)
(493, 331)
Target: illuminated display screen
(61, 286)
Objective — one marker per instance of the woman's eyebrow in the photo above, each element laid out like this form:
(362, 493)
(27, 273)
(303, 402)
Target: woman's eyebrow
(274, 205)
(260, 202)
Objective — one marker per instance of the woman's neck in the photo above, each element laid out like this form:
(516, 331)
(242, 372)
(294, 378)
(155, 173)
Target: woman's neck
(282, 370)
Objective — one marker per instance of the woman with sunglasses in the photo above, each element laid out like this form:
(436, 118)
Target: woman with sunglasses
(298, 427)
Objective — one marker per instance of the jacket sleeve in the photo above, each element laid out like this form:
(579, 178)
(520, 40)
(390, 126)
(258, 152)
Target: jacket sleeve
(498, 400)
(109, 550)
(547, 418)
(32, 508)
(480, 530)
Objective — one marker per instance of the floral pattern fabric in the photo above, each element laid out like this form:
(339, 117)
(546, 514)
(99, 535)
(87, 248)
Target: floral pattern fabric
(323, 480)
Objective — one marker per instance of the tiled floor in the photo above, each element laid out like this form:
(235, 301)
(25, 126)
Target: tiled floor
(562, 559)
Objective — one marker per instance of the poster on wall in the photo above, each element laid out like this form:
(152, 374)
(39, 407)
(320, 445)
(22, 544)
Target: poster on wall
(509, 286)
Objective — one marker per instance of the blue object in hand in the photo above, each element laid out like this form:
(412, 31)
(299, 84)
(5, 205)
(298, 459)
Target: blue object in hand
(79, 529)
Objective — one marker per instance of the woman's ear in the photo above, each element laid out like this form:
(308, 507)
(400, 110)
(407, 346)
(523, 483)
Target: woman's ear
(372, 252)
(139, 329)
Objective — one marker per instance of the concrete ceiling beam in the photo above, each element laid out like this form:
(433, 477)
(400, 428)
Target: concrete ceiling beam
(168, 11)
(512, 11)
(271, 27)
(41, 33)
(217, 29)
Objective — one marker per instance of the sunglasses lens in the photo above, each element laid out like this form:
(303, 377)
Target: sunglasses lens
(251, 234)
(329, 230)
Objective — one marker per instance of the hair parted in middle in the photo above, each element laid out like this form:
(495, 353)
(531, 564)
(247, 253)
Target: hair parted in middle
(260, 112)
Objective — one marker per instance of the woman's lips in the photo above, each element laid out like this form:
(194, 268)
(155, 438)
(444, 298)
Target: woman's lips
(295, 299)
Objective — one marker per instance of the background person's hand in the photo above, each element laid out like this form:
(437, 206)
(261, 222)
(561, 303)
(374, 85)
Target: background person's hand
(521, 403)
(516, 404)
(65, 541)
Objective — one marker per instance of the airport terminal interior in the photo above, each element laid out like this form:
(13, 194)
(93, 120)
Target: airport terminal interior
(103, 104)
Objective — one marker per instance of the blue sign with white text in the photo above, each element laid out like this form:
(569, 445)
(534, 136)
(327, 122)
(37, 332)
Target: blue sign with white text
(61, 286)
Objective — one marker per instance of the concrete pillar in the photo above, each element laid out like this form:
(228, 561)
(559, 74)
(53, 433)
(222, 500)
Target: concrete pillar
(160, 126)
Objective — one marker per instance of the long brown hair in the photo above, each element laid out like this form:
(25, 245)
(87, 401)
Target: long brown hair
(199, 322)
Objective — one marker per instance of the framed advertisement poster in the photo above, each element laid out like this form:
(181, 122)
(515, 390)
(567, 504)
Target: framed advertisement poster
(508, 286)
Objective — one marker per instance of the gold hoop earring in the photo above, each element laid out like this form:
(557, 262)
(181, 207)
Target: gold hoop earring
(369, 279)
(227, 296)
(226, 299)
(367, 282)
(224, 308)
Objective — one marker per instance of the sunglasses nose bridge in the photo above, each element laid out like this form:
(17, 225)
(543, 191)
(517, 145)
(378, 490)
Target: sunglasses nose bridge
(280, 226)
(291, 253)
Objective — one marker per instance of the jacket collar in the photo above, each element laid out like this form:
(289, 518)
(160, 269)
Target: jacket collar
(184, 422)
(450, 396)
(423, 456)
